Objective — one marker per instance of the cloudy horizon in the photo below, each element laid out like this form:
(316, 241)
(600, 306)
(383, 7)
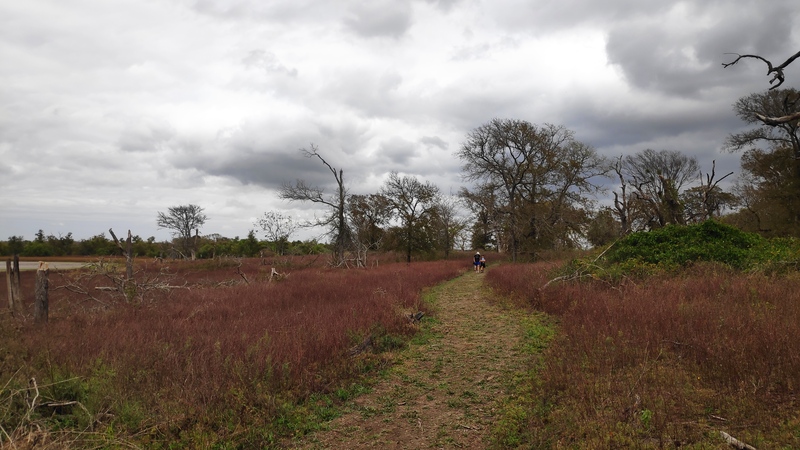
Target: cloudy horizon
(114, 111)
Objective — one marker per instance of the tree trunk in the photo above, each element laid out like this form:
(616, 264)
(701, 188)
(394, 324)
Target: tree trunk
(41, 306)
(409, 233)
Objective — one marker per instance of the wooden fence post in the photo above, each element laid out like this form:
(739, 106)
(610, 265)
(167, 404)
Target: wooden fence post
(10, 290)
(15, 283)
(12, 280)
(42, 284)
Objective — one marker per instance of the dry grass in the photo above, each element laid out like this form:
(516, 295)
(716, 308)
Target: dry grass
(667, 362)
(217, 361)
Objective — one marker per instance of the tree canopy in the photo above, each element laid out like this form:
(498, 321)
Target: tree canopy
(531, 182)
(183, 221)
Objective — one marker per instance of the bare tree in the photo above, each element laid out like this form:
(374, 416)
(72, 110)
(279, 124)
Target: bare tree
(622, 206)
(712, 197)
(277, 229)
(657, 178)
(777, 75)
(412, 202)
(336, 220)
(183, 221)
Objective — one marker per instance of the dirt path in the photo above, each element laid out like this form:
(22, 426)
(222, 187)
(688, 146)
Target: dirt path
(443, 393)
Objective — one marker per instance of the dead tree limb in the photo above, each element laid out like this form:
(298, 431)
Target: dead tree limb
(277, 275)
(241, 274)
(773, 121)
(778, 77)
(580, 272)
(127, 252)
(708, 187)
(777, 70)
(735, 443)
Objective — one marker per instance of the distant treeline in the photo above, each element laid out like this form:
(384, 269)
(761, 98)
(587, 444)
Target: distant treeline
(100, 245)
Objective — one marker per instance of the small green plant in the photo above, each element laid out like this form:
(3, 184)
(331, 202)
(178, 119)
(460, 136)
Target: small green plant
(646, 416)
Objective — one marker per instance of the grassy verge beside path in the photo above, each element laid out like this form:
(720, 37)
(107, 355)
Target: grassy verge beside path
(454, 387)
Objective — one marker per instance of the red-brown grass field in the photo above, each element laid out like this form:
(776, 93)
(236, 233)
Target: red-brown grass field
(224, 356)
(666, 362)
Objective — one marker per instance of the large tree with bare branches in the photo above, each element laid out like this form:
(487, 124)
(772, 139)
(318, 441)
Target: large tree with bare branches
(413, 202)
(537, 178)
(657, 179)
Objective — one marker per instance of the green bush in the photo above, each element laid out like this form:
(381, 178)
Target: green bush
(673, 248)
(676, 245)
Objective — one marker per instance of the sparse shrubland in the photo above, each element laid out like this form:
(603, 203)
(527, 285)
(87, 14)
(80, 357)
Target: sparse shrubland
(227, 365)
(695, 333)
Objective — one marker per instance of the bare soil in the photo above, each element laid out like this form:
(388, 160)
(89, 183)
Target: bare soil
(444, 393)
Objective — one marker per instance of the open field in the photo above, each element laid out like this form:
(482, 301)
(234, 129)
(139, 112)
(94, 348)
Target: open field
(229, 359)
(665, 362)
(224, 355)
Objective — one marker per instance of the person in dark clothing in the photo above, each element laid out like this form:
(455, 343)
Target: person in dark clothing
(483, 263)
(476, 260)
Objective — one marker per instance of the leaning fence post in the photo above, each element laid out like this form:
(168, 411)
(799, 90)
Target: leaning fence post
(41, 306)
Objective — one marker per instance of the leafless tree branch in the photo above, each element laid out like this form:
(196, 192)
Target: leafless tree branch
(777, 70)
(778, 120)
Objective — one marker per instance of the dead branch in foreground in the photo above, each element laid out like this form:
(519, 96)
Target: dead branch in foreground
(735, 443)
(115, 286)
(580, 272)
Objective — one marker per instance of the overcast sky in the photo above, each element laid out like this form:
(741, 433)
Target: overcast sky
(111, 111)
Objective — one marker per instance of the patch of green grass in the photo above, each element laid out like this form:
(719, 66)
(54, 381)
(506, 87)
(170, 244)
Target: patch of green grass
(511, 427)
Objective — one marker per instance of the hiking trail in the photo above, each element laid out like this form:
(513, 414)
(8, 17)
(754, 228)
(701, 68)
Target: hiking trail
(445, 392)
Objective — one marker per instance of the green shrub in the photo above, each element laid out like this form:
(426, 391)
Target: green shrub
(676, 245)
(674, 248)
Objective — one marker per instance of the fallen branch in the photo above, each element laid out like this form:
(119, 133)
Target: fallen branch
(117, 287)
(735, 443)
(32, 403)
(578, 274)
(241, 274)
(277, 275)
(360, 348)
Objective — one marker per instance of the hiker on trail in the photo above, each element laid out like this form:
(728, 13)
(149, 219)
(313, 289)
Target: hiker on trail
(476, 261)
(483, 263)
